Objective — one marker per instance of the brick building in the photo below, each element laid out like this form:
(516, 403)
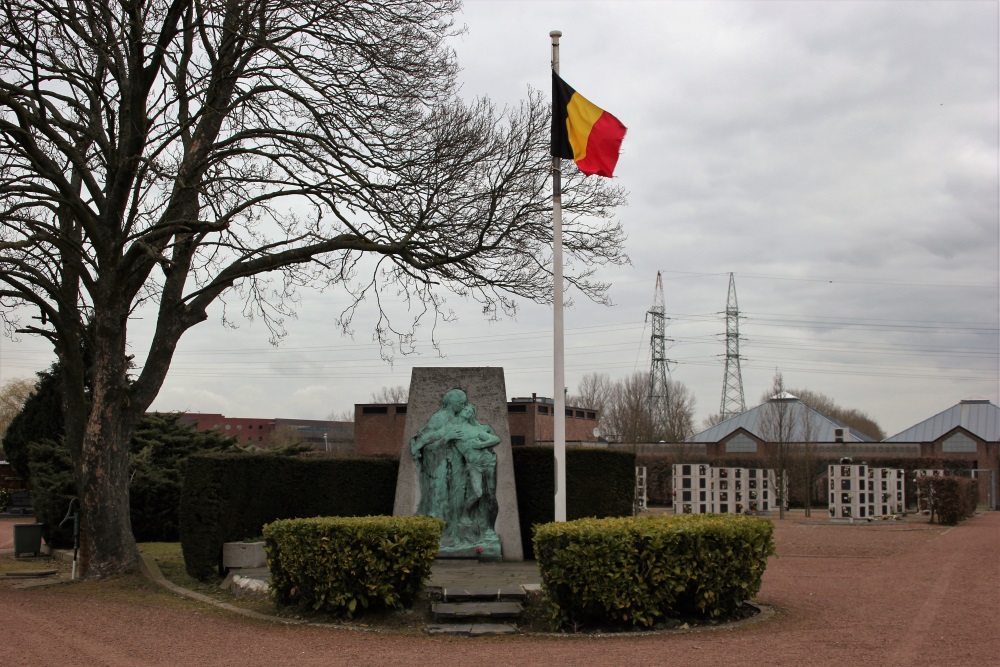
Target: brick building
(968, 431)
(332, 436)
(379, 428)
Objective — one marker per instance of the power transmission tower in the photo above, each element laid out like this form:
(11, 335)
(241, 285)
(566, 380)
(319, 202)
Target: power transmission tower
(659, 399)
(732, 388)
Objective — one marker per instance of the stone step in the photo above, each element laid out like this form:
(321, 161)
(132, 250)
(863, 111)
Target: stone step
(471, 629)
(467, 612)
(483, 594)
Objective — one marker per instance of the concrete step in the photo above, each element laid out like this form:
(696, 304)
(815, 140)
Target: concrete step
(466, 612)
(471, 629)
(484, 594)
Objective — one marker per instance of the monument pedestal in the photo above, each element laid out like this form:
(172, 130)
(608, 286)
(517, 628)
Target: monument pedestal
(456, 462)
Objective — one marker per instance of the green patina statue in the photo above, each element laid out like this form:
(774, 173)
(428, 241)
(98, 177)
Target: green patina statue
(454, 455)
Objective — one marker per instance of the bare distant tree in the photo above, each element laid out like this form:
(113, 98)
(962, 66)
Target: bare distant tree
(680, 413)
(711, 420)
(854, 419)
(777, 428)
(346, 415)
(179, 154)
(807, 468)
(626, 414)
(628, 410)
(397, 394)
(595, 391)
(13, 393)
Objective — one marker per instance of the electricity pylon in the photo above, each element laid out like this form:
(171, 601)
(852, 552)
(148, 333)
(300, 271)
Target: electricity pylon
(659, 399)
(732, 387)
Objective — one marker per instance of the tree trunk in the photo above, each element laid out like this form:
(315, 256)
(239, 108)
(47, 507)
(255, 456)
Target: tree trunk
(101, 458)
(103, 485)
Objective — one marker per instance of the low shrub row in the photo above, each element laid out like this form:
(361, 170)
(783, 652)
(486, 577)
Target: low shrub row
(636, 571)
(346, 565)
(950, 498)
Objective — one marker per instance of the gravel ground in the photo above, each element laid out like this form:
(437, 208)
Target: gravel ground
(886, 593)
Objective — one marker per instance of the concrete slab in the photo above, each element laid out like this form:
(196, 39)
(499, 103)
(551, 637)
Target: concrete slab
(481, 610)
(483, 593)
(471, 629)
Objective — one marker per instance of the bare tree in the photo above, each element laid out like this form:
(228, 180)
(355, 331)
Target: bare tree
(777, 428)
(680, 413)
(629, 420)
(807, 458)
(345, 415)
(626, 416)
(397, 394)
(13, 393)
(175, 154)
(855, 419)
(595, 391)
(711, 420)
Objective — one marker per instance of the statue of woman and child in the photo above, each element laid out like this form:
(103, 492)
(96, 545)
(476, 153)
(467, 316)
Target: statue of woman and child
(454, 455)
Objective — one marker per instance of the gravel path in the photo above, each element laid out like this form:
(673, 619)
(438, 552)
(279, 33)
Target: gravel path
(887, 593)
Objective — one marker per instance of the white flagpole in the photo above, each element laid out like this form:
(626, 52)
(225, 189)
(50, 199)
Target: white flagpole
(559, 371)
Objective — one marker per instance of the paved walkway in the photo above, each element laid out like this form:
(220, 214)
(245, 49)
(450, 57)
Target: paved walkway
(907, 594)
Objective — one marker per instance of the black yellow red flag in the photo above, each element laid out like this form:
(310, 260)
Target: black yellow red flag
(583, 132)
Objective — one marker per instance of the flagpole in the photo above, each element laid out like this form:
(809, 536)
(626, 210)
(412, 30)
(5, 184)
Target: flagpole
(559, 371)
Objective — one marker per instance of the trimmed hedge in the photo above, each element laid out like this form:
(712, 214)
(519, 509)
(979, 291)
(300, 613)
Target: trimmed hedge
(345, 566)
(951, 498)
(599, 483)
(228, 497)
(635, 571)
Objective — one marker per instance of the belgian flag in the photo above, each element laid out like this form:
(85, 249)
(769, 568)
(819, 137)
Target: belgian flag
(583, 132)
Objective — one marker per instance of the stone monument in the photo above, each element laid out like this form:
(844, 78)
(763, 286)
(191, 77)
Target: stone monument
(455, 462)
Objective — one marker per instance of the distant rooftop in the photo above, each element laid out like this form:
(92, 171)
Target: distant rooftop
(977, 416)
(822, 427)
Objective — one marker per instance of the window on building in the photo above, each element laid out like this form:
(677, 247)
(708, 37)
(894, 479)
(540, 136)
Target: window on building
(400, 409)
(375, 410)
(543, 409)
(741, 443)
(569, 413)
(591, 415)
(517, 408)
(959, 443)
(580, 414)
(517, 440)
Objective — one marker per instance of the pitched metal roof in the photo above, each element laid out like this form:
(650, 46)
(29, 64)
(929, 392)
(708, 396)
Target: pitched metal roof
(979, 417)
(754, 420)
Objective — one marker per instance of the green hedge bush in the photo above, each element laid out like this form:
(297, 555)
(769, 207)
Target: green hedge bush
(951, 498)
(636, 571)
(228, 497)
(599, 483)
(345, 566)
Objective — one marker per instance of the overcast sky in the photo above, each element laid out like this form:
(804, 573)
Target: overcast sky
(840, 158)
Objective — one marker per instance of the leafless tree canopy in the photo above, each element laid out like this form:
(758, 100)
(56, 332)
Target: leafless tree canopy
(175, 152)
(624, 408)
(852, 417)
(397, 394)
(779, 428)
(13, 393)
